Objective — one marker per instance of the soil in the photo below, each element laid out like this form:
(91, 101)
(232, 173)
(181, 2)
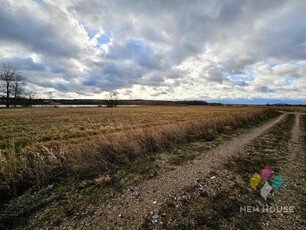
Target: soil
(211, 191)
(130, 209)
(217, 201)
(295, 193)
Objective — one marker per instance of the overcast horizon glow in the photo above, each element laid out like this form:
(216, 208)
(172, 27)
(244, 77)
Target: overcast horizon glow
(227, 50)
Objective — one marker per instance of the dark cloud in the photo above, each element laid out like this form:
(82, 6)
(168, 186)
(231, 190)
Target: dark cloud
(40, 36)
(24, 64)
(230, 12)
(138, 51)
(264, 89)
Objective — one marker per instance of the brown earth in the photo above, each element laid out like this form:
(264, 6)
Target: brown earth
(294, 195)
(217, 200)
(208, 192)
(129, 209)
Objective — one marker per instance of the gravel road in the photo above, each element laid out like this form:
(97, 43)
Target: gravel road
(127, 210)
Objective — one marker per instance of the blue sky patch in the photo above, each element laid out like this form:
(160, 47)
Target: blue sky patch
(272, 65)
(241, 78)
(136, 44)
(104, 39)
(38, 1)
(90, 32)
(91, 81)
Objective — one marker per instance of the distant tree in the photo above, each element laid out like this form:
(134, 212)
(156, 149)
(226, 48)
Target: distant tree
(50, 95)
(18, 82)
(112, 99)
(11, 82)
(28, 99)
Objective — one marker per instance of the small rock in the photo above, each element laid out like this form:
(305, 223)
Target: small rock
(155, 217)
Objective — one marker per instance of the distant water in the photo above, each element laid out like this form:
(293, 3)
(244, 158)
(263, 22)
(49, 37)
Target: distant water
(71, 106)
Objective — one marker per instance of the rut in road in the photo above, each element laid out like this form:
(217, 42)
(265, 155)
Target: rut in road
(295, 192)
(135, 203)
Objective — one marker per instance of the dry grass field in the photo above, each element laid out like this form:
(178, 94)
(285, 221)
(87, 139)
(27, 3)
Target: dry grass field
(37, 144)
(27, 127)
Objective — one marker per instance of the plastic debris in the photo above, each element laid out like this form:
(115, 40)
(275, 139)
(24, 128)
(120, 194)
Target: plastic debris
(155, 217)
(266, 173)
(265, 190)
(213, 177)
(277, 182)
(50, 187)
(255, 180)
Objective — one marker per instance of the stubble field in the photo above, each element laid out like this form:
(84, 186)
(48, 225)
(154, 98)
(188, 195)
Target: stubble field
(24, 128)
(63, 167)
(38, 145)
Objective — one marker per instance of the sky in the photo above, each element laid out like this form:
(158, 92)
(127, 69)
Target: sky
(242, 51)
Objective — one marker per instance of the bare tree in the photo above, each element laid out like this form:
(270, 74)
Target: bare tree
(18, 82)
(11, 81)
(7, 75)
(112, 99)
(29, 96)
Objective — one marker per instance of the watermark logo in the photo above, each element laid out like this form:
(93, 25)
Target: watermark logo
(268, 183)
(265, 208)
(267, 180)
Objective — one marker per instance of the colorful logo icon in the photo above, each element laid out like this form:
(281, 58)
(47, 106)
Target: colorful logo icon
(268, 180)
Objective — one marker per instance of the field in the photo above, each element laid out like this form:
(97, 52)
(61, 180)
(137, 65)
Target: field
(42, 146)
(36, 143)
(23, 128)
(83, 168)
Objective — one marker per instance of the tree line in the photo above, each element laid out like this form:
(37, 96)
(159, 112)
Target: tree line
(12, 86)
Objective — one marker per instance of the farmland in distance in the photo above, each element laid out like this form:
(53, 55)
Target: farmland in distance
(23, 128)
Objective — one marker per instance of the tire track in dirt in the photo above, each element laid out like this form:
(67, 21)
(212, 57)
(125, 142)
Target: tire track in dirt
(128, 209)
(295, 191)
(218, 200)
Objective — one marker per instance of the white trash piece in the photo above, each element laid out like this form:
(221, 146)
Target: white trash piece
(265, 190)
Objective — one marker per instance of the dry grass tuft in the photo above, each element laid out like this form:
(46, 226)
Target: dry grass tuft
(102, 180)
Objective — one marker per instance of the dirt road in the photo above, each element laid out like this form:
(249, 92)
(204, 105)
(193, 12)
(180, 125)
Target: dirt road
(223, 199)
(128, 210)
(295, 194)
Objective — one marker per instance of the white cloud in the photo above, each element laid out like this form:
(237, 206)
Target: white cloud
(160, 49)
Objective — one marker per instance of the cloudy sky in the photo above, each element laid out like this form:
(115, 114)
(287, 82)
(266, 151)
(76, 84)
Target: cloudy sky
(215, 50)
